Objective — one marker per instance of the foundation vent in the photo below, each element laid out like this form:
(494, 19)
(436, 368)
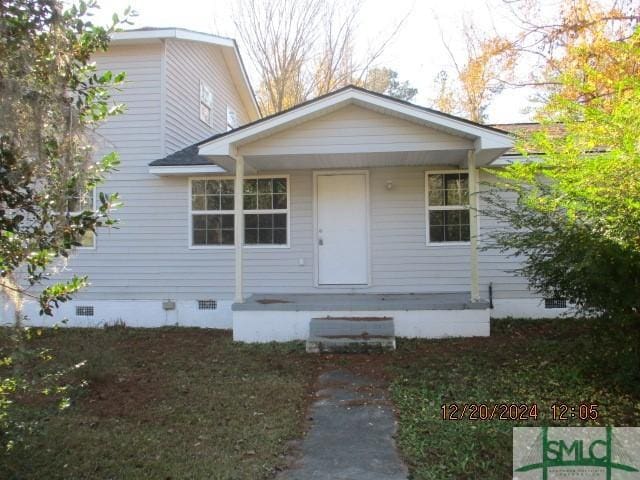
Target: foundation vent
(84, 310)
(555, 303)
(207, 304)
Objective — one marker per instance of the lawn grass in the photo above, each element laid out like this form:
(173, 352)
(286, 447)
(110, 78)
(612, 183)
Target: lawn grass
(167, 403)
(523, 362)
(190, 403)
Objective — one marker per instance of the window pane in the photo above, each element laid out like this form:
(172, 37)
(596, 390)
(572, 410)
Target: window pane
(280, 236)
(197, 187)
(226, 202)
(265, 236)
(280, 185)
(452, 181)
(88, 240)
(250, 202)
(199, 221)
(251, 236)
(453, 197)
(436, 197)
(436, 234)
(265, 185)
(251, 221)
(452, 233)
(197, 202)
(213, 237)
(452, 217)
(464, 216)
(436, 218)
(199, 237)
(265, 221)
(226, 186)
(279, 201)
(227, 221)
(435, 182)
(250, 186)
(227, 237)
(213, 187)
(213, 202)
(280, 220)
(464, 233)
(264, 202)
(213, 222)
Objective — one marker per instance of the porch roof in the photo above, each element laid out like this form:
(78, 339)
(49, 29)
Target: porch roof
(436, 139)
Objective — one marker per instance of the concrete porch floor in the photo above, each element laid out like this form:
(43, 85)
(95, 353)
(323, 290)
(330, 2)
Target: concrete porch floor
(360, 301)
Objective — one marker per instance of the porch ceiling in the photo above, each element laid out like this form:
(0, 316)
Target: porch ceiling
(256, 163)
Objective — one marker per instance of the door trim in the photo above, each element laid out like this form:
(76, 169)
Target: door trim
(316, 256)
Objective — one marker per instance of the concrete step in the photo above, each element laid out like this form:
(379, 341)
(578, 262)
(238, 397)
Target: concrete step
(351, 334)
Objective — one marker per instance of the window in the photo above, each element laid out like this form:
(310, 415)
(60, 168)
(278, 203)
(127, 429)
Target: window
(448, 207)
(266, 199)
(212, 212)
(265, 207)
(232, 119)
(76, 205)
(206, 104)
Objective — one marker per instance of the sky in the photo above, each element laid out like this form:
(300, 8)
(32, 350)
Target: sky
(417, 52)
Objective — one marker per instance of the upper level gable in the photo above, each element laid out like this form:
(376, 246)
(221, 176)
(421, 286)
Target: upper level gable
(182, 85)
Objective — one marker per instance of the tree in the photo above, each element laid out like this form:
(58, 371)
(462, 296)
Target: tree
(549, 40)
(51, 96)
(487, 60)
(305, 48)
(576, 215)
(384, 80)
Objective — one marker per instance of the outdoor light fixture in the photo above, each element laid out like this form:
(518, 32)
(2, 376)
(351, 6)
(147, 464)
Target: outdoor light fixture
(389, 184)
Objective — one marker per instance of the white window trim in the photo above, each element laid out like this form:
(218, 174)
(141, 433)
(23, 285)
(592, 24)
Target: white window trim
(95, 236)
(235, 116)
(200, 102)
(427, 209)
(191, 246)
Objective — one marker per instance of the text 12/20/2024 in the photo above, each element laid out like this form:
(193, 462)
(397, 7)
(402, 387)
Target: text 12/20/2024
(517, 411)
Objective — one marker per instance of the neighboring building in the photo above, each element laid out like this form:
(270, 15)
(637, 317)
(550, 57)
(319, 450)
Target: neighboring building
(351, 193)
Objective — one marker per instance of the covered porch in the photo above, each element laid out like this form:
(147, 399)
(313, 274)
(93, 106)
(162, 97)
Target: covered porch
(350, 133)
(284, 317)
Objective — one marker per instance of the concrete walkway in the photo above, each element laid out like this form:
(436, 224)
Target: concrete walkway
(351, 436)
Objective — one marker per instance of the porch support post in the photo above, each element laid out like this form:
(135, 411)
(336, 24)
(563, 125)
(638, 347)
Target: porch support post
(473, 223)
(238, 233)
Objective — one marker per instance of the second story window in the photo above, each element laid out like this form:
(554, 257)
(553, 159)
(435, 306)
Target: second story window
(206, 104)
(232, 119)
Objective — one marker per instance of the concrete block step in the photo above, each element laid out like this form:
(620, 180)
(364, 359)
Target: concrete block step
(349, 344)
(351, 334)
(349, 326)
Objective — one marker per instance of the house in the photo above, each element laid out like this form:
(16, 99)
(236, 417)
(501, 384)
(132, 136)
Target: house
(352, 205)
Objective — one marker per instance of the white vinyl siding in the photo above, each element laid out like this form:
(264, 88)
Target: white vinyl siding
(149, 257)
(187, 65)
(354, 129)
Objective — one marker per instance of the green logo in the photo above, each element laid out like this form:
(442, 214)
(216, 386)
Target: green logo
(578, 451)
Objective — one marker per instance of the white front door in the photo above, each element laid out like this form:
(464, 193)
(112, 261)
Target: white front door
(342, 236)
